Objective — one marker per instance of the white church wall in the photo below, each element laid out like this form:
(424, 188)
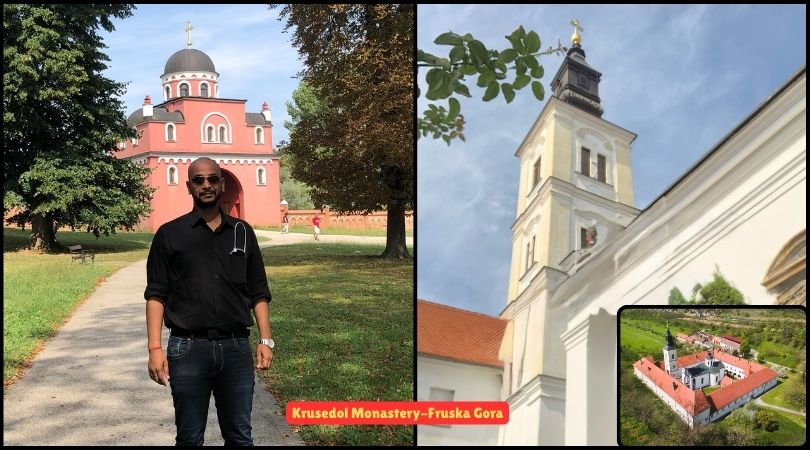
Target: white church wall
(469, 382)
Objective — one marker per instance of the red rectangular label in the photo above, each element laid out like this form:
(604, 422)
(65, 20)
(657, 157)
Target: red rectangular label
(397, 413)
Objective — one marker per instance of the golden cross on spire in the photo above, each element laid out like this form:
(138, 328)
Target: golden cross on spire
(188, 32)
(576, 39)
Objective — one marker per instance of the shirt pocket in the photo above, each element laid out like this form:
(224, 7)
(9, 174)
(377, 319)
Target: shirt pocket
(237, 268)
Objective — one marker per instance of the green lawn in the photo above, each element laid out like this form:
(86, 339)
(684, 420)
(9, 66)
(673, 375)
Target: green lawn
(792, 429)
(342, 319)
(778, 353)
(42, 290)
(776, 395)
(340, 231)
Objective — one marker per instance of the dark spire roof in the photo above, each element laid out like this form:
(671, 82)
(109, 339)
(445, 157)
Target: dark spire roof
(577, 83)
(189, 60)
(670, 343)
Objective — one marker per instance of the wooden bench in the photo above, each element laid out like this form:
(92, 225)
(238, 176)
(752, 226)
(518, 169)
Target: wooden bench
(77, 252)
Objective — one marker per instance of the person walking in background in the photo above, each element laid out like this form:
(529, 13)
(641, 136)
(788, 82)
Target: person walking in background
(286, 224)
(316, 226)
(204, 274)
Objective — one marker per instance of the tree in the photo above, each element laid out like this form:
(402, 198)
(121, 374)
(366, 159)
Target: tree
(61, 122)
(470, 57)
(676, 298)
(357, 151)
(766, 420)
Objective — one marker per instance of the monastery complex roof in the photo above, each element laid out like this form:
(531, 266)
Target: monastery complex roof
(458, 335)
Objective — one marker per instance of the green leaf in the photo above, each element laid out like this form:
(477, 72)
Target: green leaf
(433, 77)
(531, 62)
(461, 136)
(508, 92)
(468, 69)
(538, 90)
(446, 139)
(448, 39)
(462, 89)
(507, 55)
(521, 81)
(478, 51)
(521, 66)
(444, 63)
(467, 37)
(532, 42)
(486, 78)
(502, 67)
(457, 54)
(426, 57)
(537, 72)
(514, 38)
(455, 108)
(492, 91)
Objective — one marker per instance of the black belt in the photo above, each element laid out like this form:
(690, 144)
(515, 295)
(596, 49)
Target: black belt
(212, 333)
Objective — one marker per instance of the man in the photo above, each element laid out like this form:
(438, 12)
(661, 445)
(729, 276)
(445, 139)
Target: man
(316, 226)
(204, 273)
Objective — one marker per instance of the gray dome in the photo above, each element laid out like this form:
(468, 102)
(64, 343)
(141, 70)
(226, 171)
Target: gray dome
(189, 60)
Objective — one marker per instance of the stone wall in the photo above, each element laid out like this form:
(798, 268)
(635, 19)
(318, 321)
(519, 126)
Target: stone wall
(331, 219)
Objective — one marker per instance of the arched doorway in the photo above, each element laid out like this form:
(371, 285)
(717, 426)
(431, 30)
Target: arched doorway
(232, 196)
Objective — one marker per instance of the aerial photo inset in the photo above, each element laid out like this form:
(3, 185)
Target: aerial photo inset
(700, 376)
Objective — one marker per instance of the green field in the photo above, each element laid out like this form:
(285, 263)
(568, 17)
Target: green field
(775, 396)
(792, 429)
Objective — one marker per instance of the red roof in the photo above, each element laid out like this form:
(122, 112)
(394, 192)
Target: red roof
(733, 339)
(457, 334)
(694, 402)
(727, 394)
(755, 375)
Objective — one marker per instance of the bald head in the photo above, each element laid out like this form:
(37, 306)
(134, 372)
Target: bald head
(203, 164)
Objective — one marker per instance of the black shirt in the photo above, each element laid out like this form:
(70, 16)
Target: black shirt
(204, 283)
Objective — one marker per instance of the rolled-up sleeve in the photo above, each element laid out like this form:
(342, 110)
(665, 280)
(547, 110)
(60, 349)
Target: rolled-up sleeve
(157, 268)
(256, 275)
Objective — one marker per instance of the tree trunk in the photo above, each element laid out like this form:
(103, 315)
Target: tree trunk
(43, 235)
(395, 245)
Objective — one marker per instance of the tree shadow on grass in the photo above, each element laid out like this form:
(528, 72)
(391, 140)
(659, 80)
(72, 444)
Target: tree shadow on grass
(16, 240)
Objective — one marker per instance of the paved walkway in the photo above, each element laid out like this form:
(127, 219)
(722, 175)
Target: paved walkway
(762, 403)
(89, 385)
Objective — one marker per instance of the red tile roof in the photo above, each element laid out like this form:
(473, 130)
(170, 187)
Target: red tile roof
(457, 334)
(694, 402)
(727, 394)
(734, 339)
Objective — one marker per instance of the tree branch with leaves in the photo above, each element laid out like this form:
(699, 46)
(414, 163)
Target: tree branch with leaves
(468, 57)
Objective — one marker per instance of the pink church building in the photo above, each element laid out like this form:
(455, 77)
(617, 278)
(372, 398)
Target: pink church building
(195, 121)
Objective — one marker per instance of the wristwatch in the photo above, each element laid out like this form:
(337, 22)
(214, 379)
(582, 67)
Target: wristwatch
(267, 342)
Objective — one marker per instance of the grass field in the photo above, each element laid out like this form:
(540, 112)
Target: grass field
(792, 429)
(339, 231)
(42, 290)
(342, 319)
(776, 395)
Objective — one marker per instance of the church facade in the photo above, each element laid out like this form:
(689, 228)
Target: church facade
(679, 382)
(581, 250)
(194, 120)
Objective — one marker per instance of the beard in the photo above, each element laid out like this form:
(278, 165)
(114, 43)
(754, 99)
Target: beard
(206, 204)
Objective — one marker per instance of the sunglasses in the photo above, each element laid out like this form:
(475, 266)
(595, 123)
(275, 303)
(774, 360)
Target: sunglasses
(200, 180)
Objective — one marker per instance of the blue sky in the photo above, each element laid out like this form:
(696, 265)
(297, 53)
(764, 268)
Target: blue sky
(253, 57)
(680, 77)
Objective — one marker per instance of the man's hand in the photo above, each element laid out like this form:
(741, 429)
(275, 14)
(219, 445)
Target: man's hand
(264, 356)
(158, 367)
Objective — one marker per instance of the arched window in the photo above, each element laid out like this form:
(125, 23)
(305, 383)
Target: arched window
(259, 135)
(209, 133)
(260, 176)
(171, 175)
(168, 93)
(204, 90)
(222, 134)
(184, 90)
(135, 139)
(170, 133)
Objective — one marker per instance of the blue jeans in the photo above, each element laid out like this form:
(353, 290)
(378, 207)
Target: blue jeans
(198, 366)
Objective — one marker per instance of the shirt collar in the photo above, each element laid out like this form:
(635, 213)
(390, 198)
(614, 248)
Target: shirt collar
(194, 218)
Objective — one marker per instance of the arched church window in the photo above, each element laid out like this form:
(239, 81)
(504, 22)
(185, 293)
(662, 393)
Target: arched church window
(209, 133)
(259, 136)
(172, 175)
(170, 133)
(203, 90)
(222, 133)
(260, 176)
(168, 92)
(184, 90)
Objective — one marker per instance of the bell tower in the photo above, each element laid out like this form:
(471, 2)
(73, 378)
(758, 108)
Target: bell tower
(670, 353)
(575, 193)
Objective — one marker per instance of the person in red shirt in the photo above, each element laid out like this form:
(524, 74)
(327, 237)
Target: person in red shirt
(316, 226)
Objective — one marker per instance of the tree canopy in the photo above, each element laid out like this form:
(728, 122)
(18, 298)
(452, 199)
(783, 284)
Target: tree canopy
(61, 121)
(355, 149)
